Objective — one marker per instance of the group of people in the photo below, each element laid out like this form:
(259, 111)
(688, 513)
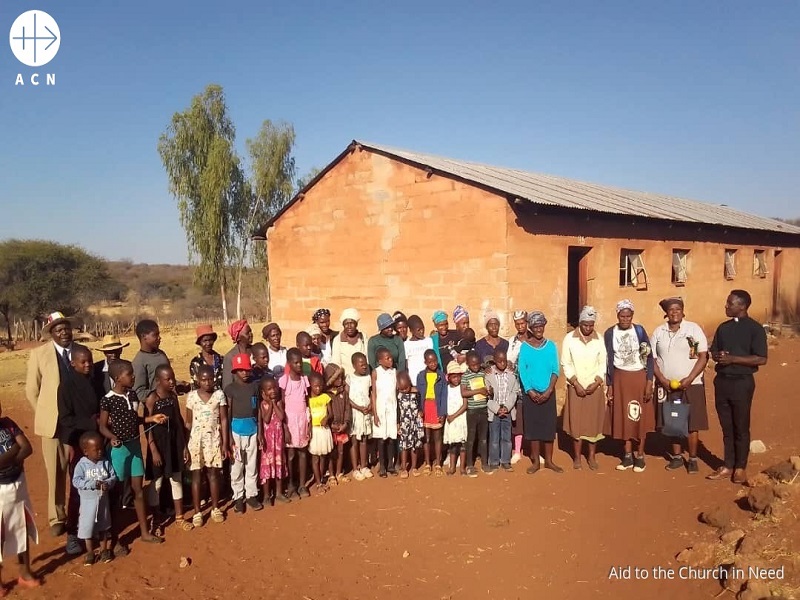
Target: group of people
(411, 403)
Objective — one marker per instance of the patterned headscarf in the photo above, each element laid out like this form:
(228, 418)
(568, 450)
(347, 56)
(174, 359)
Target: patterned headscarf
(269, 328)
(588, 314)
(350, 314)
(490, 314)
(439, 317)
(623, 305)
(314, 330)
(459, 314)
(235, 329)
(520, 314)
(667, 302)
(536, 317)
(322, 312)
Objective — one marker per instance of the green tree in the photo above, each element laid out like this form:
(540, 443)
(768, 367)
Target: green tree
(39, 277)
(306, 179)
(206, 179)
(270, 188)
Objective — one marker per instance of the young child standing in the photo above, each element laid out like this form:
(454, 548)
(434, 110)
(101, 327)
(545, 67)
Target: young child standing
(432, 394)
(260, 356)
(311, 362)
(321, 444)
(17, 524)
(342, 418)
(207, 419)
(384, 410)
(294, 386)
(119, 423)
(410, 429)
(93, 478)
(455, 429)
(167, 444)
(358, 387)
(503, 388)
(271, 416)
(242, 397)
(473, 388)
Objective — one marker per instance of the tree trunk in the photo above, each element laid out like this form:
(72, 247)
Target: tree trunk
(239, 295)
(224, 302)
(267, 294)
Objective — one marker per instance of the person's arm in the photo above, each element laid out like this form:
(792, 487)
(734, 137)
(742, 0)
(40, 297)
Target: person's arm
(493, 402)
(111, 480)
(348, 412)
(141, 385)
(66, 414)
(223, 430)
(757, 356)
(372, 359)
(33, 380)
(149, 403)
(554, 372)
(278, 410)
(105, 431)
(608, 341)
(372, 399)
(459, 412)
(80, 481)
(326, 420)
(264, 416)
(9, 457)
(401, 361)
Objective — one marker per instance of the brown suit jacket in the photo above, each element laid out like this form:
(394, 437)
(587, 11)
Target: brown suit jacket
(41, 389)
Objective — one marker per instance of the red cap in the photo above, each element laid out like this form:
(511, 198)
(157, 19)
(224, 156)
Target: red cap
(241, 362)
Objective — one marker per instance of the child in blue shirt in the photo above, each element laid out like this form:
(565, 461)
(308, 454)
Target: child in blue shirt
(93, 478)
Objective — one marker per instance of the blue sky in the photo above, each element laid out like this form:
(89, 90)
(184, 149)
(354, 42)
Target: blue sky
(695, 99)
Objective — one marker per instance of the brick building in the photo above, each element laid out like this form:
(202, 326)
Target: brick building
(383, 229)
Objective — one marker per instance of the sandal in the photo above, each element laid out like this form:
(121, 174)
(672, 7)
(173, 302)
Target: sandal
(343, 479)
(217, 515)
(333, 480)
(197, 519)
(426, 470)
(105, 556)
(184, 525)
(415, 473)
(321, 489)
(89, 560)
(29, 583)
(403, 474)
(438, 471)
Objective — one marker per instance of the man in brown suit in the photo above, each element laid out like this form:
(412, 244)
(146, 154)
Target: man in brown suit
(46, 366)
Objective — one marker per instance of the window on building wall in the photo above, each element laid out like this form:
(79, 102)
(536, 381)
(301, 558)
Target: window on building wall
(632, 272)
(760, 263)
(680, 261)
(730, 264)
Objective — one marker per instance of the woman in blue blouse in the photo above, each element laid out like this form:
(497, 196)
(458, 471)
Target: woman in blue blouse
(538, 369)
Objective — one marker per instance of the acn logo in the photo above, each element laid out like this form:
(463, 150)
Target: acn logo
(34, 38)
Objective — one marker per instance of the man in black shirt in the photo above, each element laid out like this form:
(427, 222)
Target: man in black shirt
(739, 348)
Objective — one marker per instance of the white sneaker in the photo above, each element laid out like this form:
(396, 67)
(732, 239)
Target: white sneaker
(515, 458)
(446, 462)
(358, 475)
(367, 473)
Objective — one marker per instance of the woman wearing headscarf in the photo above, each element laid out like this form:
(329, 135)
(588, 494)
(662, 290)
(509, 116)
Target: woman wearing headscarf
(538, 372)
(487, 345)
(514, 344)
(349, 341)
(584, 360)
(444, 338)
(400, 324)
(272, 334)
(242, 338)
(322, 319)
(629, 377)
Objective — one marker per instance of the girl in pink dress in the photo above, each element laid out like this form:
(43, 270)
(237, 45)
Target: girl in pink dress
(270, 426)
(294, 386)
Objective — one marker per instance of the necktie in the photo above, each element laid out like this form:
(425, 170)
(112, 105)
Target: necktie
(65, 356)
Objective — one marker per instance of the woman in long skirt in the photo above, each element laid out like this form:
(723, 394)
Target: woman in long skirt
(514, 346)
(629, 377)
(538, 372)
(583, 359)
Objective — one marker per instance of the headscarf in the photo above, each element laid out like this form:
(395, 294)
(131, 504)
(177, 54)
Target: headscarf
(235, 329)
(350, 314)
(459, 314)
(667, 302)
(322, 312)
(399, 317)
(439, 317)
(624, 304)
(269, 328)
(588, 314)
(490, 314)
(520, 314)
(536, 317)
(314, 330)
(332, 372)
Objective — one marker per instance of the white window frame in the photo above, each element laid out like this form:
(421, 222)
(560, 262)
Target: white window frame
(730, 264)
(635, 273)
(680, 262)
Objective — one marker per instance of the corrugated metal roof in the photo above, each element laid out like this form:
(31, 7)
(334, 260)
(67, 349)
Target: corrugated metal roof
(568, 193)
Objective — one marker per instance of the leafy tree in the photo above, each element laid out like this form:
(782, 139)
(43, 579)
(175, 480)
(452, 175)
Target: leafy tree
(206, 179)
(39, 277)
(270, 188)
(306, 179)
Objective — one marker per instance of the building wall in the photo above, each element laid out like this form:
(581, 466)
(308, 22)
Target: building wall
(380, 235)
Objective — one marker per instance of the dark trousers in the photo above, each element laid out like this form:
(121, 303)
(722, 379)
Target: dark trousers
(386, 457)
(74, 502)
(733, 399)
(477, 431)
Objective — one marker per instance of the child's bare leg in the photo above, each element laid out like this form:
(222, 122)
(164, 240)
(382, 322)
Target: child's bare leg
(90, 547)
(105, 539)
(290, 456)
(426, 446)
(24, 559)
(278, 487)
(141, 509)
(213, 485)
(339, 459)
(362, 450)
(315, 467)
(197, 482)
(576, 452)
(437, 438)
(323, 466)
(413, 459)
(404, 460)
(354, 457)
(302, 466)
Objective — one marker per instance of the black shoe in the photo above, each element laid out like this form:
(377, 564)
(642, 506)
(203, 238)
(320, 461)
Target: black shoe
(393, 472)
(638, 464)
(626, 463)
(691, 466)
(238, 506)
(106, 556)
(88, 560)
(382, 473)
(675, 462)
(57, 529)
(303, 492)
(508, 468)
(254, 503)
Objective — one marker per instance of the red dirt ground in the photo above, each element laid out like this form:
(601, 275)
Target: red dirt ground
(504, 536)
